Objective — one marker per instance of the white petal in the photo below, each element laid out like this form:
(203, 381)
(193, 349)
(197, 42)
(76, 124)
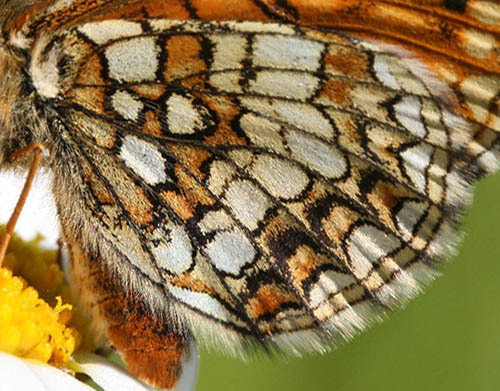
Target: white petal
(109, 376)
(39, 214)
(189, 369)
(20, 375)
(112, 377)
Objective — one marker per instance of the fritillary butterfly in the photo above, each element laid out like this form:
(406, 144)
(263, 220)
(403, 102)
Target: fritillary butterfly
(272, 173)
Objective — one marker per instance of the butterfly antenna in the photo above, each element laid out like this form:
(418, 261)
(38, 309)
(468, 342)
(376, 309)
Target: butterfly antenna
(37, 149)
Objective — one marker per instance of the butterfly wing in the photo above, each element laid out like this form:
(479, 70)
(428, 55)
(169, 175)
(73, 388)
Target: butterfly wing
(257, 183)
(228, 154)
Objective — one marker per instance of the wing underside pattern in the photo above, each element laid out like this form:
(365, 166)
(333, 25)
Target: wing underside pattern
(278, 185)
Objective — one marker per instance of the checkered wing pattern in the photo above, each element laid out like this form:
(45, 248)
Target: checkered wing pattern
(259, 183)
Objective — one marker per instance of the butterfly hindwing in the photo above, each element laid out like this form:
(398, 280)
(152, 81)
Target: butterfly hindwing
(268, 179)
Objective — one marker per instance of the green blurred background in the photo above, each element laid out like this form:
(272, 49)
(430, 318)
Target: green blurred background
(446, 339)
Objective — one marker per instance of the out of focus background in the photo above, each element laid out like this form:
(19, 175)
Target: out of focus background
(446, 339)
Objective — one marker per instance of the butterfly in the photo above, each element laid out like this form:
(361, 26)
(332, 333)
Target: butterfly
(248, 174)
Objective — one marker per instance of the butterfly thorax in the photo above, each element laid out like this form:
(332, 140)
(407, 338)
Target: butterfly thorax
(28, 88)
(17, 117)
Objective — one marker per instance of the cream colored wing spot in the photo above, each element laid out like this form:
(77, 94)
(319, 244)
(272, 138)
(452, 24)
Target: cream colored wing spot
(486, 11)
(144, 159)
(323, 158)
(202, 302)
(160, 25)
(285, 52)
(108, 30)
(280, 178)
(229, 51)
(215, 221)
(480, 91)
(247, 202)
(303, 116)
(416, 162)
(477, 43)
(286, 84)
(221, 172)
(59, 5)
(176, 255)
(383, 73)
(400, 70)
(126, 105)
(438, 125)
(229, 251)
(262, 132)
(182, 116)
(133, 60)
(366, 245)
(329, 283)
(408, 217)
(408, 113)
(228, 81)
(257, 27)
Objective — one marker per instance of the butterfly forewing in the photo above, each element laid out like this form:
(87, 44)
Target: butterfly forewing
(253, 182)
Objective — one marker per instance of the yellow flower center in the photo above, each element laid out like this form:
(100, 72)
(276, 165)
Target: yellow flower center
(29, 326)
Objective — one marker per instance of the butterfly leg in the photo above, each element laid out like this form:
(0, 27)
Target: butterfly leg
(37, 149)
